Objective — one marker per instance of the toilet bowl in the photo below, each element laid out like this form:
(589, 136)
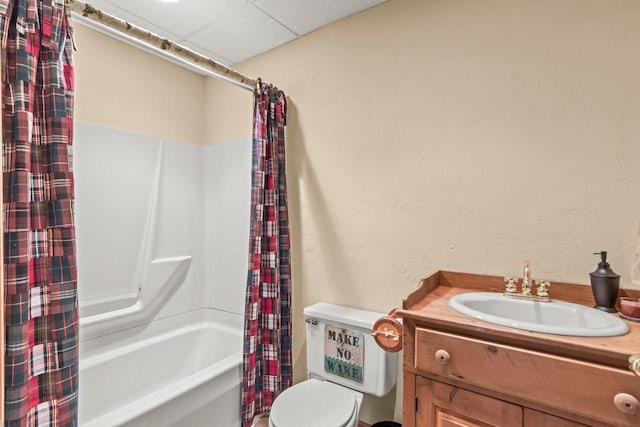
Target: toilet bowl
(343, 364)
(316, 403)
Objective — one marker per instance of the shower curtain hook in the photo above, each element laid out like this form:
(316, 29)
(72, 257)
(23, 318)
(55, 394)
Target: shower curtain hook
(259, 84)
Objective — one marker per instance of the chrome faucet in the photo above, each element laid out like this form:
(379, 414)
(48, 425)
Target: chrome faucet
(511, 290)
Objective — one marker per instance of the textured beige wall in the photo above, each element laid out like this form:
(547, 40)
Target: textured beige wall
(124, 87)
(459, 135)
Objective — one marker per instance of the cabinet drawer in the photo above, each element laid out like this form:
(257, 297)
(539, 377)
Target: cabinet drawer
(571, 386)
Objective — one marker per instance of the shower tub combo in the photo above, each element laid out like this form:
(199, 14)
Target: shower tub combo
(153, 350)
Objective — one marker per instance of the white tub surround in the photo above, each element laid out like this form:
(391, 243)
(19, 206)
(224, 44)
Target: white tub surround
(163, 227)
(176, 371)
(155, 279)
(162, 277)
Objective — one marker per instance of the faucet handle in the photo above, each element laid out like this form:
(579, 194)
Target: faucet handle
(543, 288)
(511, 287)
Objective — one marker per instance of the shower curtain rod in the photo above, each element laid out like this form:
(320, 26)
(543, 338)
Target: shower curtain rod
(130, 33)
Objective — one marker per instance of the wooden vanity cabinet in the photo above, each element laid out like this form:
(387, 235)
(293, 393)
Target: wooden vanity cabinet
(540, 419)
(444, 405)
(463, 372)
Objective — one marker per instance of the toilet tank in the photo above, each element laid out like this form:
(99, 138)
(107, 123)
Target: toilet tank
(340, 349)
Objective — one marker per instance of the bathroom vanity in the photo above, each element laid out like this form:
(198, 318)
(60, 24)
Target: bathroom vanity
(461, 371)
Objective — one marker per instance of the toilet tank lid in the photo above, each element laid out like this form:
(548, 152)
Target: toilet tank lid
(348, 315)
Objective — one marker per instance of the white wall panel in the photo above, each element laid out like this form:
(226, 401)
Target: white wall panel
(113, 178)
(147, 207)
(227, 184)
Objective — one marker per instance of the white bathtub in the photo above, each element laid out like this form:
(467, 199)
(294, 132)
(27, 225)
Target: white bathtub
(175, 372)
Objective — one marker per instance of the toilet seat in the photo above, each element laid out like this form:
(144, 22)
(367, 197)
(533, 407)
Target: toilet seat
(314, 403)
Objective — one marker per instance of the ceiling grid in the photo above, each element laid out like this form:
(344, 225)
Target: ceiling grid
(230, 31)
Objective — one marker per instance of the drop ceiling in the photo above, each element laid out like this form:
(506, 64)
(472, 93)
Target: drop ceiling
(230, 31)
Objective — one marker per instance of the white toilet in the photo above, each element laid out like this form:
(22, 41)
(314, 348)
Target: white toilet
(343, 363)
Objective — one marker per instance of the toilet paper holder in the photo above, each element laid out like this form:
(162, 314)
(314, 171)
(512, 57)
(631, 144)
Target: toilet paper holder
(387, 332)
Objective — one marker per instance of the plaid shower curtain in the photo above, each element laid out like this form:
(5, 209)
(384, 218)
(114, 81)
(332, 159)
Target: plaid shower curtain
(267, 334)
(40, 283)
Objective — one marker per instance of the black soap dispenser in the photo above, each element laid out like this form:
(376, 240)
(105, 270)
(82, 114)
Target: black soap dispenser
(604, 285)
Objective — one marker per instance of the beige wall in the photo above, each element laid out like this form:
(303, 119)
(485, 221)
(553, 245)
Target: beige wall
(459, 135)
(121, 86)
(423, 135)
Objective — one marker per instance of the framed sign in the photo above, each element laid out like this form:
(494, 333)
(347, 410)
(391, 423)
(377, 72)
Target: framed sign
(344, 353)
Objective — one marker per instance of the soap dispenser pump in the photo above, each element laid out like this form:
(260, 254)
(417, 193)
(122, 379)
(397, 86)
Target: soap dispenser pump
(605, 285)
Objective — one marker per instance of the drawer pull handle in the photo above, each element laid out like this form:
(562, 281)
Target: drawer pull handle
(626, 403)
(442, 357)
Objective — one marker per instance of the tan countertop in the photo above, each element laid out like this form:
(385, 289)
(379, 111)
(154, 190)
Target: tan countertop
(427, 306)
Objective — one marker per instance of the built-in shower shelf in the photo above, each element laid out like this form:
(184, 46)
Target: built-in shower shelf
(161, 278)
(101, 304)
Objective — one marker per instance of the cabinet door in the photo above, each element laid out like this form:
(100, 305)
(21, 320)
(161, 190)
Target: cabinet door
(443, 405)
(539, 419)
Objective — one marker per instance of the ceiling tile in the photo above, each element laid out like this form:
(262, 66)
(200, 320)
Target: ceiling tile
(109, 8)
(304, 16)
(230, 31)
(219, 59)
(182, 18)
(242, 33)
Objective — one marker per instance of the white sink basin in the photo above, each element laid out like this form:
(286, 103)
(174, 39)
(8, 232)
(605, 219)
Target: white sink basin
(555, 317)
